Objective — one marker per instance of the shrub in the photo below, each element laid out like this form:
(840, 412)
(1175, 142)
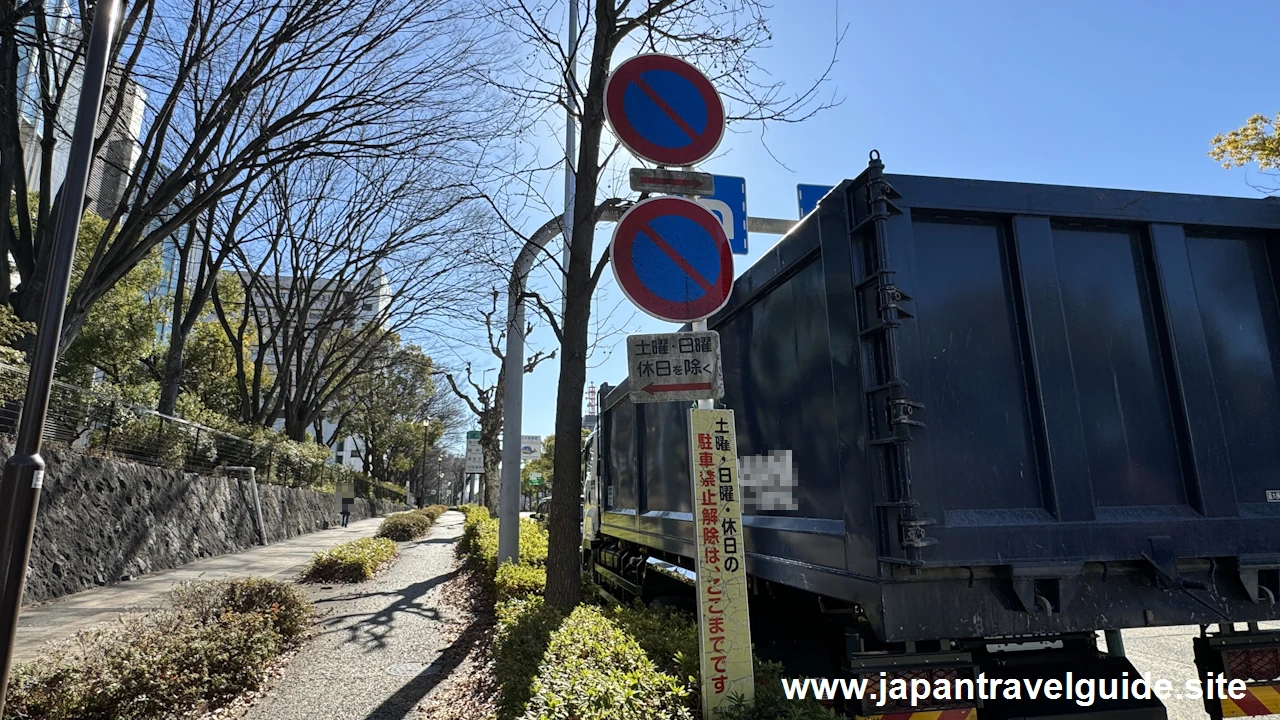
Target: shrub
(485, 547)
(404, 526)
(473, 517)
(515, 581)
(433, 511)
(668, 637)
(533, 542)
(282, 603)
(158, 664)
(592, 669)
(524, 629)
(480, 543)
(354, 561)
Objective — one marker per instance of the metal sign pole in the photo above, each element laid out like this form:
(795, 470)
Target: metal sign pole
(24, 471)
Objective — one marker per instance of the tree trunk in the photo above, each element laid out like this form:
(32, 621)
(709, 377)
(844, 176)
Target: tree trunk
(564, 556)
(490, 445)
(171, 376)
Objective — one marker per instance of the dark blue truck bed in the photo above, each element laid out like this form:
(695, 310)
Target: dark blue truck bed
(1010, 409)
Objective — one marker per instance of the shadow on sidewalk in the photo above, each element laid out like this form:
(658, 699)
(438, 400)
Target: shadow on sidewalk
(372, 629)
(405, 700)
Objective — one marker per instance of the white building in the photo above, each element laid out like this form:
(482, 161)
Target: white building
(327, 300)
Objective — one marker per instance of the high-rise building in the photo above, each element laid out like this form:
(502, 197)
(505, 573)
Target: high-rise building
(114, 164)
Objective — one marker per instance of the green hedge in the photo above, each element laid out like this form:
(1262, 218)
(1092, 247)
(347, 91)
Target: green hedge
(404, 526)
(479, 542)
(216, 643)
(615, 663)
(593, 670)
(523, 633)
(354, 561)
(516, 581)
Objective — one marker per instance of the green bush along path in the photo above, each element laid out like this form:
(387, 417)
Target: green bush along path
(61, 618)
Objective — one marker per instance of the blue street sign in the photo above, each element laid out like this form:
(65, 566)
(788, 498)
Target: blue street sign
(729, 204)
(809, 195)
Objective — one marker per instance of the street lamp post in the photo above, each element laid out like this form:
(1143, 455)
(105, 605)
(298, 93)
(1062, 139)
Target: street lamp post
(426, 426)
(24, 471)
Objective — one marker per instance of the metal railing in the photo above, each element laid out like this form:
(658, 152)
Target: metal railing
(108, 426)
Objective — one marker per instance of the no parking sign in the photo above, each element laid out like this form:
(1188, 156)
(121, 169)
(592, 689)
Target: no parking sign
(672, 259)
(664, 109)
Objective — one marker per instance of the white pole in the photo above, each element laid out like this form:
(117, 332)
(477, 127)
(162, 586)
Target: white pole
(701, 326)
(513, 390)
(570, 137)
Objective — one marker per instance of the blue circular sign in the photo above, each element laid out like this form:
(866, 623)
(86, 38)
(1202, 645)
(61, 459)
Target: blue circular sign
(664, 109)
(672, 259)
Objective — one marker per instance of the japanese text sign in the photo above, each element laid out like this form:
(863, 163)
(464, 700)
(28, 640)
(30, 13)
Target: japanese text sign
(724, 630)
(674, 367)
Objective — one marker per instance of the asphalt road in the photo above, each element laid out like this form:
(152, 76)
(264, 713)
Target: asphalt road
(1166, 653)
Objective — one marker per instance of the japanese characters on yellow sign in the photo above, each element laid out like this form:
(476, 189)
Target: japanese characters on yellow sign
(723, 624)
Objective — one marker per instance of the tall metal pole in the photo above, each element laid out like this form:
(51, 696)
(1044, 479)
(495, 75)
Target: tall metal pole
(24, 471)
(513, 390)
(570, 139)
(426, 424)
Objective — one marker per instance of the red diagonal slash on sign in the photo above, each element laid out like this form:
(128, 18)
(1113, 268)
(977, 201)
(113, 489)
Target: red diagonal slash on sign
(654, 389)
(656, 99)
(677, 258)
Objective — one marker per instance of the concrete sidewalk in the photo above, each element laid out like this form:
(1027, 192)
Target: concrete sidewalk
(65, 616)
(380, 646)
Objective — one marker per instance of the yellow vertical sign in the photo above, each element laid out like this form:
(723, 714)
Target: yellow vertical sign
(724, 626)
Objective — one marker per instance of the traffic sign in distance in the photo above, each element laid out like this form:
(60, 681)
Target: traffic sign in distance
(663, 109)
(674, 182)
(671, 258)
(809, 195)
(671, 367)
(475, 455)
(729, 203)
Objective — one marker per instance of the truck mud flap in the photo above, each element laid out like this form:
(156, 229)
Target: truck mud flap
(1108, 702)
(913, 667)
(1252, 656)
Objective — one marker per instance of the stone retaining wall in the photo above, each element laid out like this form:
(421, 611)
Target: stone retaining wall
(102, 519)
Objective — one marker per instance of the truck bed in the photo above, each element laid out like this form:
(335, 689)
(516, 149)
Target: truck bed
(1054, 408)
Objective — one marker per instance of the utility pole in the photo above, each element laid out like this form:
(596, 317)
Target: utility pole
(513, 392)
(426, 425)
(24, 471)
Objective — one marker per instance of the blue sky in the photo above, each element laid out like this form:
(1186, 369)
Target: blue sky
(1111, 94)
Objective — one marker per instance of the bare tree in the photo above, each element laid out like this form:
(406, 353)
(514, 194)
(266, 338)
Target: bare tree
(720, 37)
(225, 90)
(345, 257)
(486, 401)
(201, 248)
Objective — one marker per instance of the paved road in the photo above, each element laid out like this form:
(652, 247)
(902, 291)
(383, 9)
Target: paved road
(63, 617)
(1166, 653)
(378, 651)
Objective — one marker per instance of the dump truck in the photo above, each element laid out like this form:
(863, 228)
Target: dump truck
(981, 424)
